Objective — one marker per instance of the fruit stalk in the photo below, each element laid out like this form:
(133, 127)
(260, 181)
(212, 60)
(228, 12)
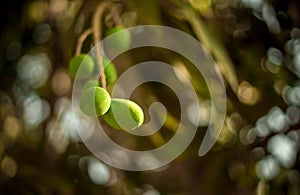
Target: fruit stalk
(81, 39)
(115, 16)
(97, 32)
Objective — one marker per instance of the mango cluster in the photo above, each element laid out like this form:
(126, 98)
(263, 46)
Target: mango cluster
(95, 101)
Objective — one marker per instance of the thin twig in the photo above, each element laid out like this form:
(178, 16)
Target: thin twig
(81, 39)
(115, 15)
(97, 32)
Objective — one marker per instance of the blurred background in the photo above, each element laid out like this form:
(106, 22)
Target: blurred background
(255, 43)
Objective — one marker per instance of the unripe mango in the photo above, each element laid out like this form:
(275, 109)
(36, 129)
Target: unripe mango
(124, 114)
(91, 83)
(86, 64)
(110, 71)
(95, 101)
(121, 41)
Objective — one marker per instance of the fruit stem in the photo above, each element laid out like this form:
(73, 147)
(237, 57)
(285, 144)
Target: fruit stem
(81, 39)
(115, 15)
(97, 32)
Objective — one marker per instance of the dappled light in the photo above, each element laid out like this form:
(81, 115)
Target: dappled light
(248, 94)
(36, 110)
(225, 95)
(267, 168)
(284, 149)
(98, 172)
(34, 70)
(9, 166)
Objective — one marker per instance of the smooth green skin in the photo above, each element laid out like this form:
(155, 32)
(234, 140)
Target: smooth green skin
(110, 71)
(122, 41)
(95, 101)
(120, 108)
(86, 64)
(91, 83)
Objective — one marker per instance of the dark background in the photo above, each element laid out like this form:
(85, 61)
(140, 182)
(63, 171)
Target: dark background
(257, 48)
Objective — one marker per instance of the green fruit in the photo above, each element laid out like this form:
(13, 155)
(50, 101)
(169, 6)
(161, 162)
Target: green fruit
(86, 64)
(95, 101)
(121, 41)
(124, 114)
(91, 83)
(110, 71)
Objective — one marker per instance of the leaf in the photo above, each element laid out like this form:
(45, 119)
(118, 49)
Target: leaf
(210, 42)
